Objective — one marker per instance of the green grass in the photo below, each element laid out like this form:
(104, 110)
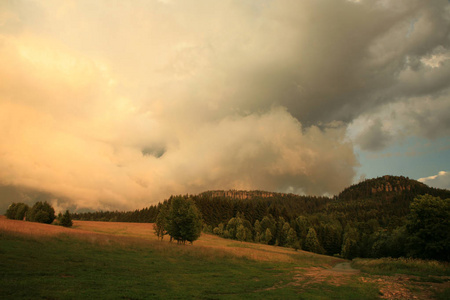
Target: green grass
(66, 267)
(408, 266)
(352, 291)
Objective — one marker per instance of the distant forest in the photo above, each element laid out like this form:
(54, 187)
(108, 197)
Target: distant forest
(369, 219)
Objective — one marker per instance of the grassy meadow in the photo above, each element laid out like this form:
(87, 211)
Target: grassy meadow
(105, 260)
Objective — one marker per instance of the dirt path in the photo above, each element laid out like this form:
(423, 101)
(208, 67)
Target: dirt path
(340, 274)
(344, 267)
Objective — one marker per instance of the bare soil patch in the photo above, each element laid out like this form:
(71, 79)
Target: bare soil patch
(406, 287)
(340, 274)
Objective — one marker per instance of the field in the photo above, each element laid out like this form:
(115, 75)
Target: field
(106, 260)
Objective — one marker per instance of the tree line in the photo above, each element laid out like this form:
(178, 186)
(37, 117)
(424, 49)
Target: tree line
(41, 212)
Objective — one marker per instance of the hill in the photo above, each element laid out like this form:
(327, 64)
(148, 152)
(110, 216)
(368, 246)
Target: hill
(389, 185)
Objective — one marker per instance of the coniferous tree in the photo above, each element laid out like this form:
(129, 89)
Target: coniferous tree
(66, 220)
(312, 242)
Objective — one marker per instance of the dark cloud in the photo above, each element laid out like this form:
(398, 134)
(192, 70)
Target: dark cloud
(117, 104)
(374, 137)
(154, 151)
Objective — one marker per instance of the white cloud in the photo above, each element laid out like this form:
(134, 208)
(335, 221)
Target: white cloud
(441, 180)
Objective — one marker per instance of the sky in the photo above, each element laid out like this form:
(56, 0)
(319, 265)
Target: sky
(120, 104)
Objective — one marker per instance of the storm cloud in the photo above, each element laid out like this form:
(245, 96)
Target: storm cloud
(118, 105)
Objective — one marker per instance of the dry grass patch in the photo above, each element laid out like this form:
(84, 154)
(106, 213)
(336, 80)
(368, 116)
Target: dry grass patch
(41, 231)
(207, 245)
(141, 230)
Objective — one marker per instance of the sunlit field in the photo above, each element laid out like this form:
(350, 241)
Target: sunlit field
(103, 260)
(208, 242)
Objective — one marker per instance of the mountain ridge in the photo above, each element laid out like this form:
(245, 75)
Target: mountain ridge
(381, 186)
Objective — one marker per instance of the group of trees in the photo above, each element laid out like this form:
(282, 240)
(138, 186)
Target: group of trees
(145, 215)
(423, 233)
(41, 212)
(180, 219)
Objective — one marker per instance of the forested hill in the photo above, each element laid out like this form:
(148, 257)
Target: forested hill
(389, 185)
(385, 199)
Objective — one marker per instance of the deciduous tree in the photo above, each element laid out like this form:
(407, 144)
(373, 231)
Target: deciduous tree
(183, 220)
(428, 228)
(41, 212)
(17, 211)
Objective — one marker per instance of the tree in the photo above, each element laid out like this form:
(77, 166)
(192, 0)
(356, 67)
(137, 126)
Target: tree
(350, 247)
(232, 227)
(183, 220)
(282, 229)
(241, 233)
(301, 226)
(267, 237)
(268, 223)
(41, 212)
(161, 219)
(65, 219)
(389, 243)
(193, 223)
(312, 242)
(292, 240)
(428, 228)
(22, 210)
(332, 238)
(258, 232)
(17, 211)
(219, 230)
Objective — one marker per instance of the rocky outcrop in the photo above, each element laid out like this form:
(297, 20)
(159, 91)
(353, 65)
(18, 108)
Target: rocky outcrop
(239, 194)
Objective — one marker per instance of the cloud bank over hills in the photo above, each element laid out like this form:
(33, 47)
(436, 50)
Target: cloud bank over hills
(119, 105)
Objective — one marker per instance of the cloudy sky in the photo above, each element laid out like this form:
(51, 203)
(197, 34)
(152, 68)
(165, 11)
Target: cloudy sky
(119, 104)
